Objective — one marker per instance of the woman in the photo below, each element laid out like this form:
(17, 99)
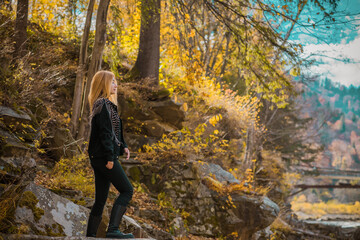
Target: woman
(106, 145)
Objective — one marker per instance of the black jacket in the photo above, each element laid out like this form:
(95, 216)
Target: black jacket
(102, 146)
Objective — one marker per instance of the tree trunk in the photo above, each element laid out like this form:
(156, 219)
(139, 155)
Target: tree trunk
(225, 60)
(249, 146)
(148, 59)
(214, 55)
(80, 73)
(20, 27)
(72, 18)
(95, 63)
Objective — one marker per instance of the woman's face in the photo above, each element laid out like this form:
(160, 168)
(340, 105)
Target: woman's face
(113, 86)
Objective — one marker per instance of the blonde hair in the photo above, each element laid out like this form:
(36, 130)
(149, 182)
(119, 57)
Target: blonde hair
(101, 87)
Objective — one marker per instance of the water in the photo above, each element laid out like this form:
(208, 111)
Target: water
(342, 224)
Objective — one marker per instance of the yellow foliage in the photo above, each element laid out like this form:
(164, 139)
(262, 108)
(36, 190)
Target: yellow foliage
(299, 204)
(215, 119)
(70, 173)
(214, 184)
(281, 226)
(185, 106)
(54, 16)
(187, 142)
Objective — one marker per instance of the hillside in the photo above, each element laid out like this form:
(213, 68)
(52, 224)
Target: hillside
(337, 110)
(178, 164)
(211, 136)
(336, 127)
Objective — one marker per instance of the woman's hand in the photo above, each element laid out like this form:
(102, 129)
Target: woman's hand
(109, 165)
(127, 153)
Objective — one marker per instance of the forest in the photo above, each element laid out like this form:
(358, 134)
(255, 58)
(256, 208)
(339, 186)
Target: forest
(222, 119)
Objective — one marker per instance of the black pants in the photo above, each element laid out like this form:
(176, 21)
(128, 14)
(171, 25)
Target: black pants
(103, 178)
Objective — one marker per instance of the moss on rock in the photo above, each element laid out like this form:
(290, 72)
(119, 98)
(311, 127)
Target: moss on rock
(29, 200)
(135, 174)
(8, 203)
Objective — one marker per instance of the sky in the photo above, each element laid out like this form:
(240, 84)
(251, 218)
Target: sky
(339, 62)
(335, 49)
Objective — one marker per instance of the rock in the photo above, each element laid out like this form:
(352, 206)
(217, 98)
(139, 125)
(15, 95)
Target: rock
(154, 128)
(169, 111)
(47, 213)
(151, 119)
(38, 110)
(10, 115)
(217, 172)
(14, 168)
(133, 172)
(161, 94)
(208, 212)
(62, 144)
(339, 229)
(263, 234)
(154, 215)
(178, 227)
(18, 123)
(156, 233)
(129, 225)
(51, 214)
(83, 201)
(356, 234)
(136, 142)
(11, 145)
(40, 237)
(130, 109)
(249, 214)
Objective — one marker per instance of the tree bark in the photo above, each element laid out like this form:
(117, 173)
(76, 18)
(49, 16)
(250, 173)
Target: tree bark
(148, 59)
(95, 63)
(214, 55)
(81, 70)
(21, 27)
(225, 60)
(72, 8)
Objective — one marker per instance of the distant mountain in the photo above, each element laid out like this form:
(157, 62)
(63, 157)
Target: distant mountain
(337, 110)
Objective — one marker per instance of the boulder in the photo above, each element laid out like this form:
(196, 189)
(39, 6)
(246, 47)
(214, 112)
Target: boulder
(178, 226)
(46, 213)
(209, 213)
(9, 115)
(38, 110)
(339, 229)
(129, 225)
(135, 141)
(263, 234)
(12, 146)
(62, 144)
(247, 215)
(18, 123)
(42, 212)
(154, 215)
(169, 111)
(160, 94)
(14, 168)
(130, 109)
(154, 128)
(217, 172)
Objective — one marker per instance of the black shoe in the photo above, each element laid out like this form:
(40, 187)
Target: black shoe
(113, 231)
(93, 225)
(118, 234)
